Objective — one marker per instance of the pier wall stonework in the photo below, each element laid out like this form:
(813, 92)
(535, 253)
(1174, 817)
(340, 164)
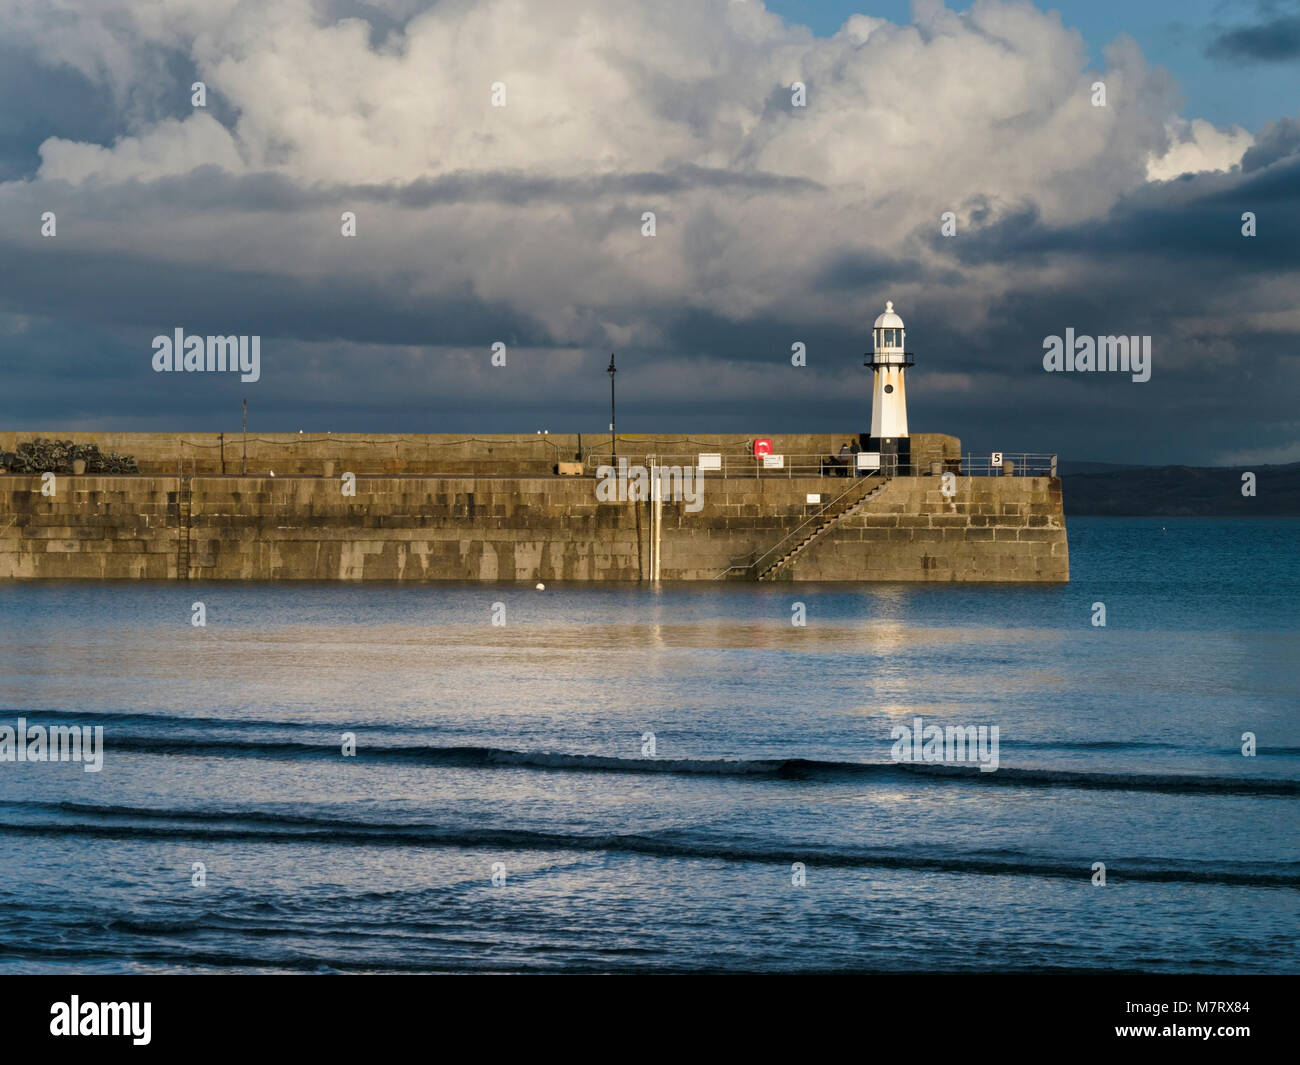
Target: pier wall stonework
(992, 529)
(517, 527)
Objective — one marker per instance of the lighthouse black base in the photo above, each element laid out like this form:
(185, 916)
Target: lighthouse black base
(895, 454)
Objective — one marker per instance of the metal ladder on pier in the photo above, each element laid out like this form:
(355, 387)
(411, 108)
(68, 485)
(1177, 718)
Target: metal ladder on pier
(184, 510)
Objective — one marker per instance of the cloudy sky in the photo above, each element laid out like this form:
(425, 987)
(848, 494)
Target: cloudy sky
(774, 224)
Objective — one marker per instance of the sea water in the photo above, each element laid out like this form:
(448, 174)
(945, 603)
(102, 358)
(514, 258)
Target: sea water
(617, 778)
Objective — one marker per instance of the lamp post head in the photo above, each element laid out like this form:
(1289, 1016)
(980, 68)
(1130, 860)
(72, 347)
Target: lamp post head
(611, 371)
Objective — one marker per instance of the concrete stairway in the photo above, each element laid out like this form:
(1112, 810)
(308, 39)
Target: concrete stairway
(789, 549)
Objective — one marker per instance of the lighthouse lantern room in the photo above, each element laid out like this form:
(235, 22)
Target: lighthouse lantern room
(889, 360)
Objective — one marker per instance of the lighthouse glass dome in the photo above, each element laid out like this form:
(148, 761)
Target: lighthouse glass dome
(889, 336)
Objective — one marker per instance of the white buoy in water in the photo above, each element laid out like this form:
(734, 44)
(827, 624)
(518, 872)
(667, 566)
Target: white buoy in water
(541, 587)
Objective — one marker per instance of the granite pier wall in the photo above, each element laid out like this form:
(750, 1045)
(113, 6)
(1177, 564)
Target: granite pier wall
(509, 516)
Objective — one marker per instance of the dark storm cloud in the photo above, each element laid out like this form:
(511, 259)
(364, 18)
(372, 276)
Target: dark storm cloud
(764, 337)
(1277, 40)
(129, 291)
(209, 188)
(866, 269)
(1275, 141)
(522, 188)
(1191, 224)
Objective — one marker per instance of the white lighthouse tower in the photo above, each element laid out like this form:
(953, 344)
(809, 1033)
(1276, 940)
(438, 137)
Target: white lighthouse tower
(889, 359)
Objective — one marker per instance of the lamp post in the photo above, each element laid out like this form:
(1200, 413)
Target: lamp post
(613, 440)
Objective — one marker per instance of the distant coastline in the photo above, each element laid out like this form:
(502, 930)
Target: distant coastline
(1096, 489)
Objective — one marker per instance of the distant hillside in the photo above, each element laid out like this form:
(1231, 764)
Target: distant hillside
(1069, 466)
(1102, 489)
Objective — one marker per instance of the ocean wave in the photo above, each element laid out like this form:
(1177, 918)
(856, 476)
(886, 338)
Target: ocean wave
(473, 757)
(134, 717)
(170, 722)
(261, 826)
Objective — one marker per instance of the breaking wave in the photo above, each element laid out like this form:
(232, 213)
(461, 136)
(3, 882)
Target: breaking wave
(254, 826)
(474, 757)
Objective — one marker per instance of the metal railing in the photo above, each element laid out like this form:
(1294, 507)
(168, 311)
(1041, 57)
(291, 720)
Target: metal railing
(756, 564)
(1008, 464)
(987, 464)
(731, 465)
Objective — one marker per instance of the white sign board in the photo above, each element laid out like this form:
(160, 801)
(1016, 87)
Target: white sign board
(814, 497)
(773, 462)
(710, 462)
(868, 460)
(997, 459)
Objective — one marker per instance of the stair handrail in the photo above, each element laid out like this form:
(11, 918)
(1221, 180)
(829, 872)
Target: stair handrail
(861, 481)
(787, 556)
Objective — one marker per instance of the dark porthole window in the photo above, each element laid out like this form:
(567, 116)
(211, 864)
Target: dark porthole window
(889, 388)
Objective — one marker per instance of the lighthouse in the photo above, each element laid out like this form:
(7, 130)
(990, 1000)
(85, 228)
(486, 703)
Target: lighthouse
(889, 360)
